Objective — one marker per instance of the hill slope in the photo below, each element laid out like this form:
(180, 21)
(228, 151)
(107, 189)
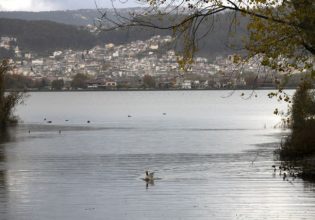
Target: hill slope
(81, 17)
(43, 37)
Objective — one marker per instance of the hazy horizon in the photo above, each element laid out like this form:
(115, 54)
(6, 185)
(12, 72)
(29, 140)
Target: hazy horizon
(63, 5)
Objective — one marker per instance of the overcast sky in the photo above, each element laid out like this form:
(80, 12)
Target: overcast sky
(49, 5)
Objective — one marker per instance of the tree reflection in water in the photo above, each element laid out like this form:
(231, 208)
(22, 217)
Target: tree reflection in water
(4, 137)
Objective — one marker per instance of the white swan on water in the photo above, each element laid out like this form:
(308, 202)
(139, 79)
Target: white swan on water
(148, 176)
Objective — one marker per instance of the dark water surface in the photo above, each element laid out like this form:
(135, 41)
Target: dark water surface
(212, 155)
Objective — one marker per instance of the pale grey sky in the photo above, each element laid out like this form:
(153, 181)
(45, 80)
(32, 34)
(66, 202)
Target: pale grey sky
(49, 5)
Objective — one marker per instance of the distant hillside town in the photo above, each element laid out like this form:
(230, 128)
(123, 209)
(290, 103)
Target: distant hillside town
(149, 64)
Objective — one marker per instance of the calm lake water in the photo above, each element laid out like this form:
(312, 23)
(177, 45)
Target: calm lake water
(212, 155)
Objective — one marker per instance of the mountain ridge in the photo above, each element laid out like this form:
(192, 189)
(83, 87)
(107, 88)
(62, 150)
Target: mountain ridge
(46, 36)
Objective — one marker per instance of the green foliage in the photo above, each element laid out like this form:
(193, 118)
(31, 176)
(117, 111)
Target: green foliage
(18, 82)
(148, 81)
(57, 84)
(303, 107)
(287, 38)
(42, 84)
(79, 81)
(301, 142)
(281, 32)
(7, 101)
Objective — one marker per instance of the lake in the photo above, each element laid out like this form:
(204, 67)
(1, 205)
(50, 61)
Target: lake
(212, 153)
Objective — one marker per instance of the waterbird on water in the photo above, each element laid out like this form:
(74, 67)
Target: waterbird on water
(148, 176)
(149, 179)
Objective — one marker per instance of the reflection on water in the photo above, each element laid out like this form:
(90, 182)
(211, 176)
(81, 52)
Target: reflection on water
(149, 183)
(205, 169)
(50, 184)
(309, 186)
(4, 137)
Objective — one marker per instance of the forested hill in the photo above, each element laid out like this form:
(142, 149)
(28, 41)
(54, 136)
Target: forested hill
(78, 18)
(44, 37)
(81, 17)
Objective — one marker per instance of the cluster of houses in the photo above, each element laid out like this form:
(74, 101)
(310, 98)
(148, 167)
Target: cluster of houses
(124, 66)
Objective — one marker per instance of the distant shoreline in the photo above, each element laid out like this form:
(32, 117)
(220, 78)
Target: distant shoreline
(148, 90)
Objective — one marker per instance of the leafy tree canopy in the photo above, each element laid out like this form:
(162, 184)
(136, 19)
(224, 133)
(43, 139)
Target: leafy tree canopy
(8, 101)
(148, 81)
(282, 32)
(79, 81)
(57, 84)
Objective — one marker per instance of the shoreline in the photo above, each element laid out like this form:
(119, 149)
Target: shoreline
(149, 90)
